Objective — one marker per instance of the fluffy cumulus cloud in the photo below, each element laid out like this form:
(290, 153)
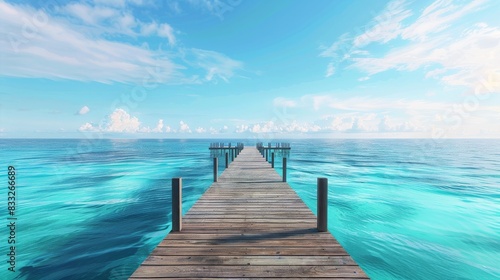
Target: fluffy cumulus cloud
(121, 121)
(434, 41)
(159, 126)
(200, 130)
(184, 127)
(87, 127)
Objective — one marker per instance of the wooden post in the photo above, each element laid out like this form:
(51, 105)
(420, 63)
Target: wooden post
(267, 155)
(176, 204)
(284, 169)
(232, 155)
(216, 166)
(272, 159)
(322, 204)
(227, 159)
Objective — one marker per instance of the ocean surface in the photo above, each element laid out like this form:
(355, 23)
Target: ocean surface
(404, 209)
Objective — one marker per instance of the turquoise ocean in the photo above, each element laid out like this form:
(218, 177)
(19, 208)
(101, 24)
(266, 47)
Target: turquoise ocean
(404, 209)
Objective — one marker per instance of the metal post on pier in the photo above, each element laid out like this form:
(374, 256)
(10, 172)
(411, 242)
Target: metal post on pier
(216, 165)
(322, 204)
(272, 160)
(176, 204)
(284, 169)
(227, 159)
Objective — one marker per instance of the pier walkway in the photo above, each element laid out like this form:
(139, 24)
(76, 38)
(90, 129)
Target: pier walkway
(249, 224)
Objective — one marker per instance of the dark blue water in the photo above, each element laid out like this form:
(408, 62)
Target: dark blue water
(404, 209)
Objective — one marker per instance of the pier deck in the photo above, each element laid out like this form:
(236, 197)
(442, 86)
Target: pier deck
(249, 224)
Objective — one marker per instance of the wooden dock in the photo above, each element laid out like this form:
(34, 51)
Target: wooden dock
(249, 224)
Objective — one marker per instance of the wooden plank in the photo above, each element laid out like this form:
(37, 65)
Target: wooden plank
(249, 251)
(249, 225)
(251, 260)
(247, 270)
(251, 242)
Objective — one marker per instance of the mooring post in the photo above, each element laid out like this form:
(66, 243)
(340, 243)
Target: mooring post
(322, 204)
(272, 159)
(284, 169)
(176, 204)
(227, 159)
(216, 165)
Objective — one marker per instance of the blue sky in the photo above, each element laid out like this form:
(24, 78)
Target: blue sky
(250, 69)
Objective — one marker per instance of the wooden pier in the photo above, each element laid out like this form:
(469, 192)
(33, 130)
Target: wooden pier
(249, 224)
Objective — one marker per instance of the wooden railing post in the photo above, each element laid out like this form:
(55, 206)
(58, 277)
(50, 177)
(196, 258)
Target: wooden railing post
(284, 169)
(267, 155)
(227, 159)
(216, 166)
(176, 204)
(232, 155)
(272, 159)
(322, 204)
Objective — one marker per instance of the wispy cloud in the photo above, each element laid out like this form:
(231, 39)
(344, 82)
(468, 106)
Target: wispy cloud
(433, 41)
(284, 102)
(216, 65)
(387, 25)
(330, 70)
(215, 7)
(81, 41)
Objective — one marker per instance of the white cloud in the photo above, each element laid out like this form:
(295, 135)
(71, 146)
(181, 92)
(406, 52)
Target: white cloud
(84, 110)
(57, 49)
(435, 42)
(159, 126)
(387, 124)
(165, 30)
(215, 7)
(462, 61)
(242, 128)
(216, 65)
(121, 121)
(90, 14)
(317, 100)
(87, 127)
(85, 42)
(341, 45)
(119, 3)
(200, 130)
(184, 127)
(330, 70)
(387, 25)
(437, 17)
(284, 102)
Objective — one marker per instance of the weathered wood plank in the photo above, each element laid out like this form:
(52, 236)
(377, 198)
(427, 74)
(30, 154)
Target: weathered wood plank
(247, 270)
(249, 251)
(250, 260)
